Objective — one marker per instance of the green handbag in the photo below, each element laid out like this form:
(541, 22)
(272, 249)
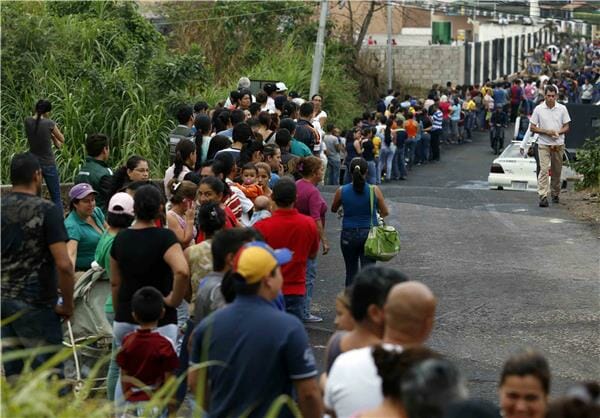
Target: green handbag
(383, 242)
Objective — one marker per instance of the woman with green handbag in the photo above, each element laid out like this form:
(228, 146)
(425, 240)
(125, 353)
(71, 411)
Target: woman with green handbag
(355, 198)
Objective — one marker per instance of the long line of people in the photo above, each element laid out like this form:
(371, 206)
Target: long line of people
(214, 256)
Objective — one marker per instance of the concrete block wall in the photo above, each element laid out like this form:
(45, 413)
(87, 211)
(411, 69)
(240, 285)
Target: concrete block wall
(420, 66)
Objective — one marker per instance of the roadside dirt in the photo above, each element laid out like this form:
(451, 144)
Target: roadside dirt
(584, 205)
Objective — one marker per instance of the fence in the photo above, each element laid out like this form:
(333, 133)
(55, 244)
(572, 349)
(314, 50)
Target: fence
(501, 56)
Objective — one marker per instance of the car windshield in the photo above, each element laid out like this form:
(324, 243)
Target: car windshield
(511, 151)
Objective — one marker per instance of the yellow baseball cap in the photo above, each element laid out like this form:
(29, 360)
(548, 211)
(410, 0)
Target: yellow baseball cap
(256, 260)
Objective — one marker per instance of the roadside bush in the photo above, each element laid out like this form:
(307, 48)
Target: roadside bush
(588, 163)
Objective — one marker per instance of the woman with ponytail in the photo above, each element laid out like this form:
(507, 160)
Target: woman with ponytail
(357, 219)
(135, 169)
(42, 132)
(185, 160)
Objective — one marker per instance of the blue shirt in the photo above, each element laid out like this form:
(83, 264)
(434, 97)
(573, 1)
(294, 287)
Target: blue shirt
(500, 97)
(357, 208)
(86, 236)
(262, 350)
(455, 115)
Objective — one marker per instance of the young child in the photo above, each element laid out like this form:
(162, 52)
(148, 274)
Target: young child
(249, 184)
(264, 178)
(146, 358)
(262, 209)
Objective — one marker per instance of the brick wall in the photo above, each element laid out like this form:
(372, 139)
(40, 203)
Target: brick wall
(420, 66)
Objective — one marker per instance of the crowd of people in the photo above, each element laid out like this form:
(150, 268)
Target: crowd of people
(218, 262)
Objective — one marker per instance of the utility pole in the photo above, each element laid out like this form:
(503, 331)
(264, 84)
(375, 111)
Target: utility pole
(389, 44)
(315, 79)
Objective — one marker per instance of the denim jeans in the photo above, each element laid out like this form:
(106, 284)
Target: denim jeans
(294, 304)
(372, 172)
(120, 330)
(423, 149)
(50, 174)
(347, 172)
(386, 157)
(409, 151)
(481, 119)
(352, 241)
(333, 172)
(398, 164)
(311, 275)
(36, 326)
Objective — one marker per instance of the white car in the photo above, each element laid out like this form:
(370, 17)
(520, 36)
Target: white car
(513, 171)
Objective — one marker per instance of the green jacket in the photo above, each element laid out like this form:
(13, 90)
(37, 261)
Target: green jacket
(99, 176)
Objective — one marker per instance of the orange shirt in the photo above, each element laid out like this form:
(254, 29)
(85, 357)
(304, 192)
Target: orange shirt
(411, 127)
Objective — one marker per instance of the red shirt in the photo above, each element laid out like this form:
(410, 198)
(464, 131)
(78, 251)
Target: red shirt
(230, 222)
(146, 356)
(445, 108)
(288, 228)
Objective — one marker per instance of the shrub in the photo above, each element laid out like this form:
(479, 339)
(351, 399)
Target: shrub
(588, 162)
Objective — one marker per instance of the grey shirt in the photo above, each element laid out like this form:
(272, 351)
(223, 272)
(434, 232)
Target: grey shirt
(40, 140)
(209, 297)
(332, 143)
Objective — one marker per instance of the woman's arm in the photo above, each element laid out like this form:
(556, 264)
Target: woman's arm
(181, 275)
(57, 137)
(184, 235)
(383, 209)
(358, 147)
(337, 200)
(115, 282)
(72, 250)
(323, 237)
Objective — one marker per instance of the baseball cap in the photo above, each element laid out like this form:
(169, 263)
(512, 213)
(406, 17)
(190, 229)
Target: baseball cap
(269, 88)
(256, 259)
(81, 190)
(121, 204)
(280, 86)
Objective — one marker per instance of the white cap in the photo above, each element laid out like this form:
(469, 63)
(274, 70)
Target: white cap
(281, 86)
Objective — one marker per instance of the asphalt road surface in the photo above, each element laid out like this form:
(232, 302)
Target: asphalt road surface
(507, 273)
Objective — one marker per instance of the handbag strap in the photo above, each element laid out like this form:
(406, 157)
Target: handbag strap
(371, 204)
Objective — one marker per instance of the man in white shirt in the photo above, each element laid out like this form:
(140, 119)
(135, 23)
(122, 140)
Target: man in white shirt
(550, 120)
(353, 384)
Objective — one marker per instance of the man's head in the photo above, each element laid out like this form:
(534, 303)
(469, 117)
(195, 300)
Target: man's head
(242, 133)
(244, 83)
(147, 305)
(283, 138)
(288, 124)
(257, 271)
(409, 313)
(550, 95)
(96, 146)
(306, 110)
(25, 171)
(369, 293)
(284, 193)
(185, 115)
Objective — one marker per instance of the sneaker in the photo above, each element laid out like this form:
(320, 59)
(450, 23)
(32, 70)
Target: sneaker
(555, 199)
(313, 318)
(543, 202)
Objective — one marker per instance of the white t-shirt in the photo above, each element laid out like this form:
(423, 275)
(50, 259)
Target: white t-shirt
(545, 118)
(353, 384)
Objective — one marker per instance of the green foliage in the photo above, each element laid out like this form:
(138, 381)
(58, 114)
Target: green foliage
(588, 162)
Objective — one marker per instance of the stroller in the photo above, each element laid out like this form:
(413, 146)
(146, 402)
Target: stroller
(88, 333)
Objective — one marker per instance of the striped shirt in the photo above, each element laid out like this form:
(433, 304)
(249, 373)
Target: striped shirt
(437, 120)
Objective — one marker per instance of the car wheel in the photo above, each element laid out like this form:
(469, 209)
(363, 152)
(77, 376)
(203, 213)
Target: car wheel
(500, 188)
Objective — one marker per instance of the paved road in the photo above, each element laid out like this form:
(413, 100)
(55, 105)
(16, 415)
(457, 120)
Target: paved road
(507, 273)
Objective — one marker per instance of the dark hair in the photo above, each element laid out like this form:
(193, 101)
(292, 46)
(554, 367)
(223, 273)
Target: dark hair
(203, 125)
(248, 150)
(183, 150)
(306, 109)
(237, 116)
(284, 192)
(308, 166)
(200, 106)
(147, 202)
(119, 220)
(329, 127)
(181, 190)
(283, 137)
(193, 177)
(550, 89)
(147, 304)
(211, 218)
(221, 119)
(387, 139)
(42, 106)
(473, 408)
(120, 177)
(135, 185)
(226, 166)
(393, 365)
(95, 143)
(249, 166)
(429, 387)
(371, 287)
(234, 97)
(229, 241)
(242, 133)
(216, 184)
(288, 124)
(358, 170)
(184, 114)
(289, 110)
(264, 118)
(22, 168)
(217, 143)
(528, 363)
(254, 108)
(270, 150)
(280, 102)
(261, 97)
(316, 95)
